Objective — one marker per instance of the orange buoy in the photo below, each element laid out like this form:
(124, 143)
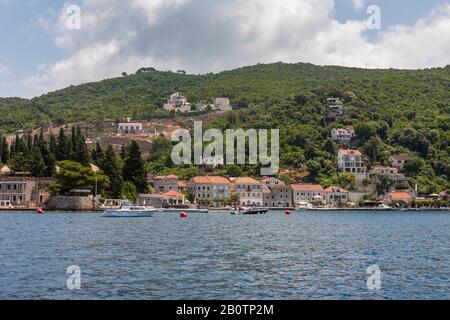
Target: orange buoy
(40, 211)
(287, 212)
(183, 215)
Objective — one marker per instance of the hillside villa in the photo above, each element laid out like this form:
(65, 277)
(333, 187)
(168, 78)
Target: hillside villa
(399, 160)
(343, 135)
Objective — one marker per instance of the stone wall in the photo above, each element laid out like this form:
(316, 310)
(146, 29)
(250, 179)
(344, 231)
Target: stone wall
(70, 203)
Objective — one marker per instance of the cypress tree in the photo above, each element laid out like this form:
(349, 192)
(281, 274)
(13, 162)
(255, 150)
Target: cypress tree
(48, 158)
(37, 163)
(123, 152)
(134, 168)
(53, 146)
(97, 155)
(81, 150)
(62, 146)
(111, 166)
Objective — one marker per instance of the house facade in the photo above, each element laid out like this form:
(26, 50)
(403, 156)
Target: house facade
(335, 196)
(351, 161)
(161, 200)
(130, 128)
(306, 193)
(280, 196)
(213, 190)
(249, 190)
(399, 178)
(399, 160)
(165, 183)
(222, 104)
(24, 191)
(342, 135)
(178, 103)
(271, 181)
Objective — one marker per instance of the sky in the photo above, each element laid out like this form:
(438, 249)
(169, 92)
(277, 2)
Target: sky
(45, 47)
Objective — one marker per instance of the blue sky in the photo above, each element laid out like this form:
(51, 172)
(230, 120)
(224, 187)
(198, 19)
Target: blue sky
(29, 29)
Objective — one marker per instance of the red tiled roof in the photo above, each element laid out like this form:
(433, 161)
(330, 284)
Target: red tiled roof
(182, 184)
(244, 180)
(400, 196)
(307, 187)
(210, 180)
(348, 152)
(173, 193)
(335, 189)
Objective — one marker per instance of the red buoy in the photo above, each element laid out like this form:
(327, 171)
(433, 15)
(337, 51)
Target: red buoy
(183, 215)
(287, 212)
(40, 211)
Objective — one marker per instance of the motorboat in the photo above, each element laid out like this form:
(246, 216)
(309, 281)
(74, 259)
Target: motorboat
(249, 211)
(129, 210)
(304, 206)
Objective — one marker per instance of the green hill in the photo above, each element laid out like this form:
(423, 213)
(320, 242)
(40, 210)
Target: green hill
(392, 110)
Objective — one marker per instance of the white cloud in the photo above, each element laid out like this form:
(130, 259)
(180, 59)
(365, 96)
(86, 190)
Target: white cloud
(4, 70)
(212, 35)
(358, 4)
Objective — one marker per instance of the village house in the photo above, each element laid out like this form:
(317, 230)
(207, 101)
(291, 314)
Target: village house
(178, 103)
(351, 161)
(399, 178)
(130, 128)
(24, 191)
(342, 135)
(334, 109)
(182, 186)
(280, 196)
(249, 190)
(222, 104)
(400, 197)
(399, 160)
(335, 196)
(271, 181)
(165, 183)
(306, 193)
(213, 190)
(163, 199)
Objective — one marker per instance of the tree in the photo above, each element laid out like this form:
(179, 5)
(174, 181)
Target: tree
(383, 182)
(129, 191)
(73, 175)
(111, 166)
(81, 150)
(134, 168)
(48, 158)
(4, 150)
(37, 163)
(97, 155)
(62, 149)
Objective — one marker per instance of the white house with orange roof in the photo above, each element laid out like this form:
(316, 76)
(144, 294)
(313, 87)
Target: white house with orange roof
(209, 189)
(249, 190)
(165, 183)
(307, 192)
(351, 161)
(336, 195)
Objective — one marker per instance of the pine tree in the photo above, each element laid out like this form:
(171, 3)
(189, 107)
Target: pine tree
(53, 146)
(111, 166)
(4, 150)
(134, 168)
(123, 152)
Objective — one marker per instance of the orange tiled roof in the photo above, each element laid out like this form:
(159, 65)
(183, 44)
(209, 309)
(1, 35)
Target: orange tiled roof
(210, 180)
(174, 177)
(400, 196)
(244, 180)
(173, 193)
(182, 184)
(335, 189)
(307, 187)
(348, 152)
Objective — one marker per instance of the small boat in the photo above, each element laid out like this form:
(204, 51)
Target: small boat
(249, 211)
(128, 210)
(304, 206)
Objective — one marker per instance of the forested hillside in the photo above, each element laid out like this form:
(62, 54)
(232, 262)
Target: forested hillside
(392, 111)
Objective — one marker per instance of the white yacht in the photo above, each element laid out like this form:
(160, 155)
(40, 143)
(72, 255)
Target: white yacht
(304, 206)
(129, 210)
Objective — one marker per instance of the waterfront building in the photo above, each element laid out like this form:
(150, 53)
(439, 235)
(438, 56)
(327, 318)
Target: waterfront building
(162, 200)
(214, 190)
(335, 196)
(280, 196)
(24, 191)
(249, 190)
(399, 160)
(400, 196)
(271, 181)
(399, 178)
(306, 192)
(165, 183)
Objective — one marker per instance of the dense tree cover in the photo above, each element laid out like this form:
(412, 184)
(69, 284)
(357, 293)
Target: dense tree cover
(392, 111)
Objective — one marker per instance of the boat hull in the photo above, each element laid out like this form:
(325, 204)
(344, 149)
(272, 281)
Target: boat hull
(124, 214)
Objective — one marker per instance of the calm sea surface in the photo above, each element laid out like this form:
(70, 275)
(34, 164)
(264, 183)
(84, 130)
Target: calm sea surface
(220, 256)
